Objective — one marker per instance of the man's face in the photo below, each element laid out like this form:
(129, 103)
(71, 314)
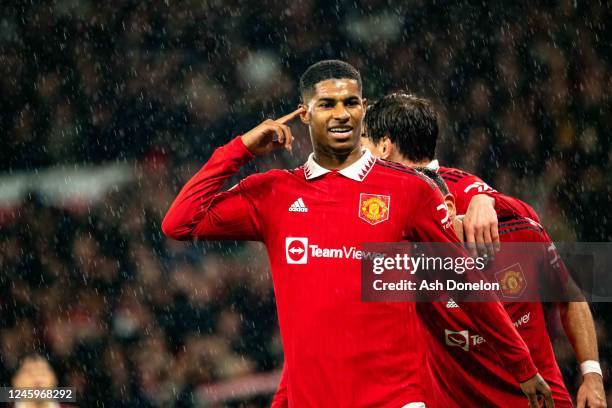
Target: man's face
(334, 114)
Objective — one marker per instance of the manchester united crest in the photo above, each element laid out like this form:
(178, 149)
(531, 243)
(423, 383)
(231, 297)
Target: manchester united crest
(374, 208)
(512, 281)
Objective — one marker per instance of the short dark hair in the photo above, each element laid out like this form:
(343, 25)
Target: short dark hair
(409, 121)
(327, 69)
(435, 177)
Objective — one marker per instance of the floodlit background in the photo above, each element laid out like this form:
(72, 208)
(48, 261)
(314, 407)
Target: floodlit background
(107, 107)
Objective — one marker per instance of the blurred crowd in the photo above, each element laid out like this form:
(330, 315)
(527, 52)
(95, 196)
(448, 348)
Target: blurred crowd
(128, 317)
(524, 88)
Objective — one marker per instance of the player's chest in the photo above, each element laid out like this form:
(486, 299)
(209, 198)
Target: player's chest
(363, 214)
(316, 225)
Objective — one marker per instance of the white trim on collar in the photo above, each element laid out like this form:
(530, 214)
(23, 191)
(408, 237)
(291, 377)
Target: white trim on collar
(433, 165)
(356, 171)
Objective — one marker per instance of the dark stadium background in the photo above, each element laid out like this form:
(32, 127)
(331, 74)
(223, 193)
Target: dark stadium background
(129, 98)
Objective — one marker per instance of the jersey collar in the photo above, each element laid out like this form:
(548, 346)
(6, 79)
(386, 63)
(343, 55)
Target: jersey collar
(356, 171)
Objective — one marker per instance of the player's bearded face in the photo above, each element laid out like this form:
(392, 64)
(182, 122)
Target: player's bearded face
(334, 115)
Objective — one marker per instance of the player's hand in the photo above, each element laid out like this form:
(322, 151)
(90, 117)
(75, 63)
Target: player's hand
(536, 387)
(480, 226)
(270, 135)
(591, 393)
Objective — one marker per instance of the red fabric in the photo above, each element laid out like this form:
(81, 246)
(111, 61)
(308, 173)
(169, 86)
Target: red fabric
(464, 186)
(342, 351)
(475, 376)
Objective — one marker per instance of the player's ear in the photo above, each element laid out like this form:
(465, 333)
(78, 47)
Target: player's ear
(305, 115)
(449, 199)
(386, 148)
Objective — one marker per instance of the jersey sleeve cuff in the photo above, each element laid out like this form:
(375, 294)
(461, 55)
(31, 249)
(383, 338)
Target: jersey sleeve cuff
(500, 203)
(502, 207)
(236, 146)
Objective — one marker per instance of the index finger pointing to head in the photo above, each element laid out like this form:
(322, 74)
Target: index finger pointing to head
(291, 115)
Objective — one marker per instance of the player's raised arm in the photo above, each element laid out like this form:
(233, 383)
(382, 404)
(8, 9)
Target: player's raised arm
(492, 320)
(201, 211)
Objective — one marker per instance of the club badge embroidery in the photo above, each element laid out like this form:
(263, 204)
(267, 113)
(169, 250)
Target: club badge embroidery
(512, 281)
(374, 208)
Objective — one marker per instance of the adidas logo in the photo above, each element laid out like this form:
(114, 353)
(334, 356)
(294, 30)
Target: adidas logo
(298, 206)
(451, 304)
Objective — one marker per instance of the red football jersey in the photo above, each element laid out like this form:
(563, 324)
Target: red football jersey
(463, 369)
(341, 351)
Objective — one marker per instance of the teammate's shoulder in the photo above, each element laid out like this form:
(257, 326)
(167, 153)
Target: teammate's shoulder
(406, 173)
(453, 174)
(391, 167)
(527, 228)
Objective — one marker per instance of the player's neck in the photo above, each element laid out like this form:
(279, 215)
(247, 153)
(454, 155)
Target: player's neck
(337, 161)
(411, 163)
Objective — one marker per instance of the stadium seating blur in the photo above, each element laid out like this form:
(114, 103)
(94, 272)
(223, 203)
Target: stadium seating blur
(130, 318)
